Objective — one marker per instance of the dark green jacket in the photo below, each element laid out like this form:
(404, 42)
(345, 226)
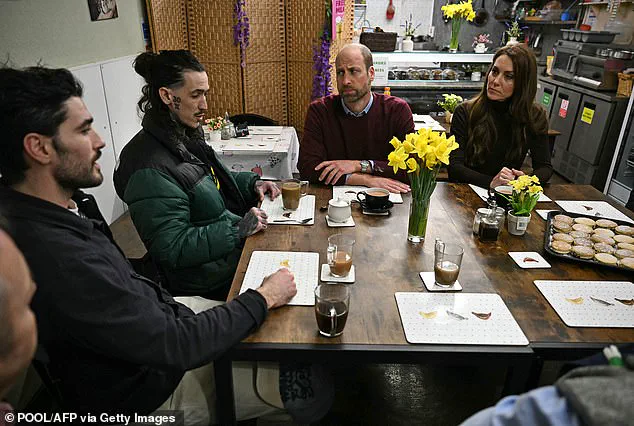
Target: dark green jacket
(182, 218)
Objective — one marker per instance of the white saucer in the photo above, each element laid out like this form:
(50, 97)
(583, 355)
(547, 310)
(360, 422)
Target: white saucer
(349, 222)
(430, 283)
(325, 275)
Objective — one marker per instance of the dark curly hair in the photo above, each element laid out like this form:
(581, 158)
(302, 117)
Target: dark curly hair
(165, 69)
(31, 101)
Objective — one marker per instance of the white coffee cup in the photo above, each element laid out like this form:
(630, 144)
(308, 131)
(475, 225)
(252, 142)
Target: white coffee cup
(339, 210)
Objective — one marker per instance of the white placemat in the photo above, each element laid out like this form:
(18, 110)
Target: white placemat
(275, 210)
(573, 302)
(544, 213)
(326, 277)
(484, 194)
(426, 319)
(304, 266)
(529, 259)
(429, 279)
(599, 209)
(265, 130)
(349, 192)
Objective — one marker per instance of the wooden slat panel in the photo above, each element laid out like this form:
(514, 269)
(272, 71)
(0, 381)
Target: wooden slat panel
(168, 24)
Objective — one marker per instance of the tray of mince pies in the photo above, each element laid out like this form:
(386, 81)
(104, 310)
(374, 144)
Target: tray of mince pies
(604, 242)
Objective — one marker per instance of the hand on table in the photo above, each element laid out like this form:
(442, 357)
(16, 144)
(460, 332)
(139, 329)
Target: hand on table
(263, 187)
(391, 185)
(278, 288)
(504, 176)
(252, 222)
(333, 170)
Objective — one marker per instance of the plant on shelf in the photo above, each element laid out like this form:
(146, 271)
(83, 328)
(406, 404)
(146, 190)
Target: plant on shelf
(410, 29)
(457, 12)
(480, 42)
(523, 199)
(421, 154)
(449, 104)
(514, 32)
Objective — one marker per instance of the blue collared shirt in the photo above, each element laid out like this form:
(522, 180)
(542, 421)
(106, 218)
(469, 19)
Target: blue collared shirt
(358, 114)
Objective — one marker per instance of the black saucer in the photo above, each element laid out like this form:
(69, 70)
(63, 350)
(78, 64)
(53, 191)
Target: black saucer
(385, 208)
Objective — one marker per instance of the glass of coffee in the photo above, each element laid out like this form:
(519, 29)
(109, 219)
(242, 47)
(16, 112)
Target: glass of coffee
(332, 302)
(374, 198)
(292, 191)
(447, 260)
(340, 255)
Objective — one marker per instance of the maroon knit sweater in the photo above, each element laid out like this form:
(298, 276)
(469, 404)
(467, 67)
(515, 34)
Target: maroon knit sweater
(331, 134)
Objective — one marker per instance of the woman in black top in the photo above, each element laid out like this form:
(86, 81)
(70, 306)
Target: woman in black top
(501, 124)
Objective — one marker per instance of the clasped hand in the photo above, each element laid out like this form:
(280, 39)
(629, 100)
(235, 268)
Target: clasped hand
(504, 176)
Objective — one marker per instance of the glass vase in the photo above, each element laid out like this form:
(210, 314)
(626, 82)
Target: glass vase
(418, 214)
(455, 32)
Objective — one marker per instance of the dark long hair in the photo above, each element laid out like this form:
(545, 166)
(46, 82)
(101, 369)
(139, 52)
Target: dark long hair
(165, 69)
(526, 116)
(32, 100)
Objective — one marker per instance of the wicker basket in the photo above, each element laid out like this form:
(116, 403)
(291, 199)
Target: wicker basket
(625, 84)
(379, 42)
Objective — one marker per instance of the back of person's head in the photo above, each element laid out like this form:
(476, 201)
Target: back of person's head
(18, 333)
(31, 101)
(165, 69)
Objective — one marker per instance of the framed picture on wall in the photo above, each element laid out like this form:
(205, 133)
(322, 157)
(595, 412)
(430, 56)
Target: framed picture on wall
(102, 9)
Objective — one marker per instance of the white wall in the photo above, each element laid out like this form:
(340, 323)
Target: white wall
(61, 34)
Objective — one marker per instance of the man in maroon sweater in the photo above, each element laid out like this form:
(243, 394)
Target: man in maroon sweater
(346, 136)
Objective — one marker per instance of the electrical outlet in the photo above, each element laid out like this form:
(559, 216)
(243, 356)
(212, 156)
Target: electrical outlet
(432, 30)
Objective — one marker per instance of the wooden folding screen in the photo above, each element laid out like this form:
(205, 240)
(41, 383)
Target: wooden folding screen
(277, 79)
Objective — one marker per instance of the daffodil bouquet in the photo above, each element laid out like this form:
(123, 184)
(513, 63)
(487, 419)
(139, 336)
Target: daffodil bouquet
(457, 12)
(526, 192)
(421, 153)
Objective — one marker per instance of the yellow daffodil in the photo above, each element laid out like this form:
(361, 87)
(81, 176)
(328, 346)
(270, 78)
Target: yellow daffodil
(412, 165)
(397, 158)
(526, 191)
(395, 142)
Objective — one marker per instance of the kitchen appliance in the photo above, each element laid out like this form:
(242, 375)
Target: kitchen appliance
(592, 65)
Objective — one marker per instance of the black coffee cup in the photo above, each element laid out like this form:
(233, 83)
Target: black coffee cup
(500, 193)
(374, 198)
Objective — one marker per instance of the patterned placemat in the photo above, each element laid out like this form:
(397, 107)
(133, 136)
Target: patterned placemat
(303, 265)
(598, 209)
(458, 318)
(275, 211)
(591, 303)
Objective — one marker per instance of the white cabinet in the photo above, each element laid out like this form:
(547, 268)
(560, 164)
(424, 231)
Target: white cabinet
(111, 91)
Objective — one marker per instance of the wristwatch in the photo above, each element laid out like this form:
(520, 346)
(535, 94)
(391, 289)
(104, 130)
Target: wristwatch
(365, 166)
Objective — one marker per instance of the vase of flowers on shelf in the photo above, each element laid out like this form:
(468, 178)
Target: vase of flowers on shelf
(523, 199)
(449, 104)
(514, 32)
(480, 43)
(408, 44)
(457, 13)
(421, 154)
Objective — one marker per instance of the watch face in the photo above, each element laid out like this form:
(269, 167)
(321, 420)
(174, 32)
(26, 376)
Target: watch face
(365, 166)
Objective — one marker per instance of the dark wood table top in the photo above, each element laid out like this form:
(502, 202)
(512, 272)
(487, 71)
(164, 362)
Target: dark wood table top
(386, 263)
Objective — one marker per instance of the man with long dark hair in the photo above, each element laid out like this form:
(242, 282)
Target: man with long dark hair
(190, 211)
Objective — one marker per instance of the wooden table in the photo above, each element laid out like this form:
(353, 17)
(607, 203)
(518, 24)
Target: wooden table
(386, 263)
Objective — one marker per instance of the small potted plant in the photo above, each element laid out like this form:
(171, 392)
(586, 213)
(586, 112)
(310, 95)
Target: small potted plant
(525, 193)
(514, 32)
(449, 104)
(480, 42)
(212, 128)
(410, 30)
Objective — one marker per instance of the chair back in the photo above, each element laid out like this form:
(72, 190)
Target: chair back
(252, 120)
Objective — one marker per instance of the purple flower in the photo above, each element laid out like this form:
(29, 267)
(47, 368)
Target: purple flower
(321, 66)
(241, 29)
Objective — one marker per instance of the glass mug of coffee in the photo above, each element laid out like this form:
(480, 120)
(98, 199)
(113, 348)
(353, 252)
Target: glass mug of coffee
(332, 302)
(447, 261)
(339, 255)
(292, 191)
(374, 198)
